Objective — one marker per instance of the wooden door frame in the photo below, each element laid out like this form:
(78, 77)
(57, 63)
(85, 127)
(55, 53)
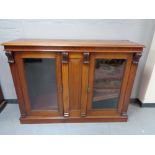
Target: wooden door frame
(108, 111)
(19, 56)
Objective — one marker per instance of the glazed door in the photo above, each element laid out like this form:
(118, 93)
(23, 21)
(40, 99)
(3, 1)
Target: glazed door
(108, 75)
(40, 78)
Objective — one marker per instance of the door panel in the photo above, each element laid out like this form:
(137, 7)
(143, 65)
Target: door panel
(40, 77)
(107, 80)
(75, 83)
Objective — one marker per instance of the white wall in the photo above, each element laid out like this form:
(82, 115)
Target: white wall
(147, 84)
(140, 31)
(150, 94)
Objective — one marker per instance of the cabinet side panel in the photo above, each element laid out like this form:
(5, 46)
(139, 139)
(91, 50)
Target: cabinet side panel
(17, 83)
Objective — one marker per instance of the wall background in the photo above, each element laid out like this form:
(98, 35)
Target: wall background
(147, 87)
(140, 31)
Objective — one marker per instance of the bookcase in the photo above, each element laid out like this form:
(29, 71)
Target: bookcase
(73, 80)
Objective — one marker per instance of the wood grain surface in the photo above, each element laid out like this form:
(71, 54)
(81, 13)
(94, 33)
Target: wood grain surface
(72, 43)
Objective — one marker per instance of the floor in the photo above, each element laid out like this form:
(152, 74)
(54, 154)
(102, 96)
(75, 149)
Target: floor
(141, 121)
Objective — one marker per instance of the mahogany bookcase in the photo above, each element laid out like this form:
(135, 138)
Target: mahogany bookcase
(73, 80)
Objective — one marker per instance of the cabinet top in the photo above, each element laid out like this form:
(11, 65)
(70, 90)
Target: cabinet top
(73, 43)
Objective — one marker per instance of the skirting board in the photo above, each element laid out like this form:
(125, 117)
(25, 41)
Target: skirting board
(11, 101)
(145, 105)
(132, 100)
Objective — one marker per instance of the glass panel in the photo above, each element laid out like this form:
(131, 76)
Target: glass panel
(41, 82)
(107, 82)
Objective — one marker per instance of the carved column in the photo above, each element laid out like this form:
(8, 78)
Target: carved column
(136, 58)
(86, 58)
(10, 57)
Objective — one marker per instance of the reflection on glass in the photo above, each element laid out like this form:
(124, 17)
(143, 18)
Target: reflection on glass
(41, 82)
(107, 83)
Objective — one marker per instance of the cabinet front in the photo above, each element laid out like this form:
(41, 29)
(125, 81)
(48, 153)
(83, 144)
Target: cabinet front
(40, 78)
(108, 75)
(74, 84)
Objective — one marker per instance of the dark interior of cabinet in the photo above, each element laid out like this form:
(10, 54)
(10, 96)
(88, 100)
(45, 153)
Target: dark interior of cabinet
(107, 82)
(41, 82)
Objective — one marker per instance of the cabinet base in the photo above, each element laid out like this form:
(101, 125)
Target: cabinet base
(38, 120)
